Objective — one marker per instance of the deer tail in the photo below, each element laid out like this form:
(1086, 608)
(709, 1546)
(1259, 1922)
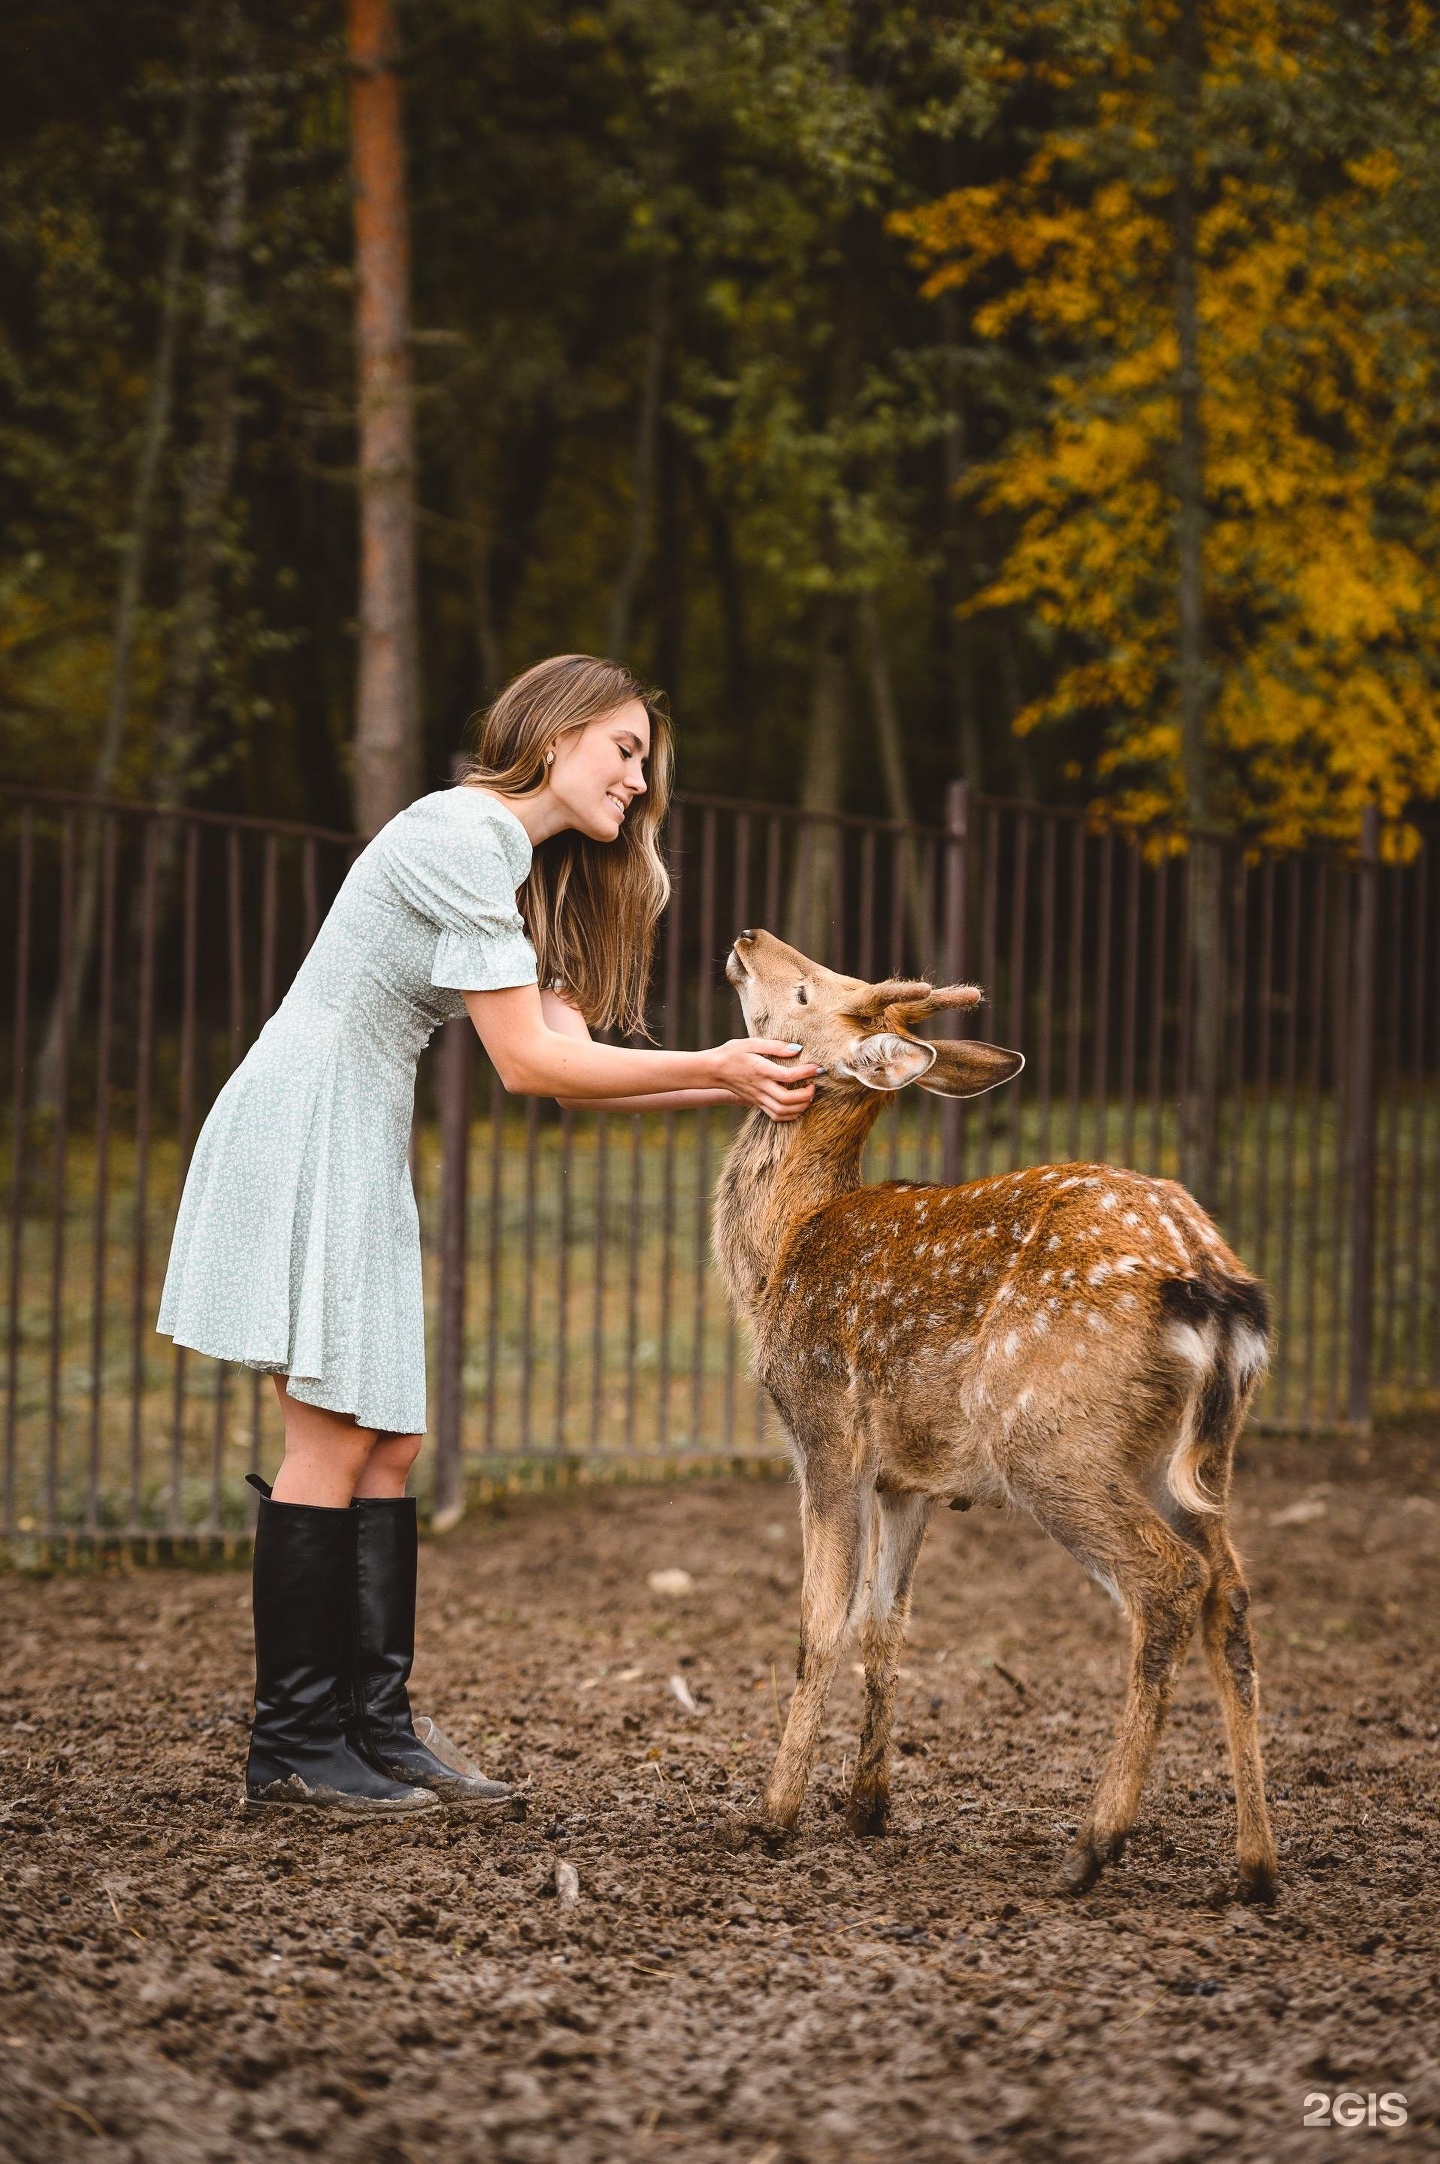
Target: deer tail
(1219, 1326)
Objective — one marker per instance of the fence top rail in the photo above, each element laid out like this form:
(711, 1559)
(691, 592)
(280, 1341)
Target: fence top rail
(687, 800)
(185, 814)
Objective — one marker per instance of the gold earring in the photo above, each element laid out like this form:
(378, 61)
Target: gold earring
(549, 758)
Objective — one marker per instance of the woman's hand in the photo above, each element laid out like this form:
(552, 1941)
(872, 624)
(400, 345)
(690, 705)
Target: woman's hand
(763, 1071)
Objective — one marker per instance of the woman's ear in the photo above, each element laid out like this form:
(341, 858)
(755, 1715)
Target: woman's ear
(888, 1062)
(965, 1068)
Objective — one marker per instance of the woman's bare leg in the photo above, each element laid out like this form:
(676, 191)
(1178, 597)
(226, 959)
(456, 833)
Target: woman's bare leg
(325, 1454)
(388, 1466)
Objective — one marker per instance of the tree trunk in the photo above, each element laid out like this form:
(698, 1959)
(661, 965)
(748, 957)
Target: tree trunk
(135, 555)
(730, 592)
(1201, 1093)
(647, 440)
(810, 915)
(958, 566)
(212, 462)
(387, 750)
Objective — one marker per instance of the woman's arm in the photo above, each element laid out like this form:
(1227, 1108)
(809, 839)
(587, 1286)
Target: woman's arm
(566, 1020)
(534, 1057)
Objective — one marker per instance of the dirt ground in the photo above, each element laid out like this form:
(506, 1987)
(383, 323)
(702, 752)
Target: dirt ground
(179, 1983)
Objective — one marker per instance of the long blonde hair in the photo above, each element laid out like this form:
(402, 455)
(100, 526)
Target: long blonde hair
(590, 907)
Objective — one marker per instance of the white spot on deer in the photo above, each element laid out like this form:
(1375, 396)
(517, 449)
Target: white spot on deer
(1011, 1345)
(1025, 1398)
(1098, 1275)
(1006, 1292)
(1097, 1323)
(1109, 1200)
(1128, 1300)
(1131, 1217)
(1067, 1277)
(1040, 1325)
(1073, 1181)
(1053, 1242)
(1128, 1265)
(1179, 1245)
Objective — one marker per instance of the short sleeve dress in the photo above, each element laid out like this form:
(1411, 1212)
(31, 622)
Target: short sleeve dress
(297, 1245)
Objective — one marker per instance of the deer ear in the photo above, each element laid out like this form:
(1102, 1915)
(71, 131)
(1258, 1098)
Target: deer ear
(965, 1068)
(888, 1062)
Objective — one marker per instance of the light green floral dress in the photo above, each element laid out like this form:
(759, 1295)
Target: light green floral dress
(297, 1246)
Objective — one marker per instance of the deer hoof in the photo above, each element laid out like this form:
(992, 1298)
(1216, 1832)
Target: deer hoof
(1088, 1859)
(868, 1815)
(1257, 1882)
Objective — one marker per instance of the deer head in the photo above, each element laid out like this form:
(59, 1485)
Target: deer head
(864, 1036)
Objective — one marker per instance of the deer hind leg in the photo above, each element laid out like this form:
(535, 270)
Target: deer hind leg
(1162, 1583)
(836, 1526)
(902, 1523)
(1230, 1650)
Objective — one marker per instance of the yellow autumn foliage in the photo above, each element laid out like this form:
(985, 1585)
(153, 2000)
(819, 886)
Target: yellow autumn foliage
(1322, 585)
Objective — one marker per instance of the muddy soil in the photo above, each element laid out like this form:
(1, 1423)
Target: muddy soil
(178, 1983)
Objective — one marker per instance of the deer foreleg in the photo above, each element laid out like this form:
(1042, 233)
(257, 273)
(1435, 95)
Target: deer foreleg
(903, 1519)
(837, 1530)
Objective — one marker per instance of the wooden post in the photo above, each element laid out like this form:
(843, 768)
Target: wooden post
(387, 711)
(957, 865)
(1364, 1022)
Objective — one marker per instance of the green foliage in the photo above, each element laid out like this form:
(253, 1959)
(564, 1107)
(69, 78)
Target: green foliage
(677, 381)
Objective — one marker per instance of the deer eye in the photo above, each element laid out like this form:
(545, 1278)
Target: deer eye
(802, 997)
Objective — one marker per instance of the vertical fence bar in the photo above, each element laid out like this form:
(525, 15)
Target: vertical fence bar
(562, 1276)
(144, 1065)
(1238, 988)
(1266, 1003)
(454, 1084)
(1314, 1092)
(527, 1303)
(988, 949)
(1388, 1184)
(597, 1303)
(104, 1026)
(1103, 944)
(957, 866)
(1415, 1311)
(1290, 1073)
(59, 1140)
(1020, 895)
(705, 1019)
(1045, 1085)
(865, 945)
(1075, 988)
(494, 1249)
(1129, 1001)
(1362, 1118)
(309, 892)
(1158, 933)
(190, 935)
(19, 1098)
(632, 1278)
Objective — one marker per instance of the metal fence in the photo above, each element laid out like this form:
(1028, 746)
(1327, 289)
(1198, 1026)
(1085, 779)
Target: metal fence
(1262, 1029)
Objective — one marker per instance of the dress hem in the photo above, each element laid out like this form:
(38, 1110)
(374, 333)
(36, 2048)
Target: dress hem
(300, 1393)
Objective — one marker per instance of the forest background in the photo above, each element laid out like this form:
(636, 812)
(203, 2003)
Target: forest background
(1045, 392)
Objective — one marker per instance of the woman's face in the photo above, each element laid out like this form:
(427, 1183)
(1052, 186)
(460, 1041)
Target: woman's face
(598, 770)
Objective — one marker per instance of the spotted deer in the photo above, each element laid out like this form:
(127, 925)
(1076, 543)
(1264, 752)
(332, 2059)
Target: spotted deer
(1074, 1340)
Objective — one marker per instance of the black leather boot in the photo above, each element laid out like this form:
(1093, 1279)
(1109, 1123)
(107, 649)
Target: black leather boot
(384, 1651)
(299, 1751)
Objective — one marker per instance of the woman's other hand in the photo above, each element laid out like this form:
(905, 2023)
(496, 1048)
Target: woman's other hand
(764, 1072)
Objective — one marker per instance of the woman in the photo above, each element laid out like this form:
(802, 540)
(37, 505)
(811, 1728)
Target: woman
(297, 1247)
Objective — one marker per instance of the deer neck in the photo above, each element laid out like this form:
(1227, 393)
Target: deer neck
(777, 1174)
